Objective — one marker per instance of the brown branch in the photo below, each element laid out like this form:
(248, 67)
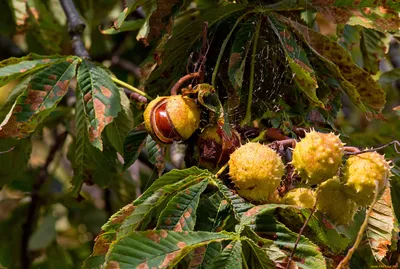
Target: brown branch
(7, 151)
(181, 81)
(395, 144)
(302, 229)
(135, 96)
(36, 202)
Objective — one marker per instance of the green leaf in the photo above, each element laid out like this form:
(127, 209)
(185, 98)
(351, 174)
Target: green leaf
(216, 209)
(351, 40)
(15, 68)
(259, 256)
(134, 141)
(101, 98)
(159, 248)
(150, 204)
(126, 26)
(180, 213)
(373, 45)
(381, 224)
(18, 89)
(389, 76)
(118, 129)
(264, 223)
(89, 162)
(230, 257)
(155, 153)
(45, 90)
(13, 159)
(204, 255)
(44, 235)
(239, 205)
(357, 83)
(303, 73)
(131, 6)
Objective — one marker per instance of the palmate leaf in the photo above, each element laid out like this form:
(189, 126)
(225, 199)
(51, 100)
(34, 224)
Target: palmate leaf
(216, 209)
(101, 98)
(89, 162)
(203, 256)
(259, 257)
(362, 89)
(42, 95)
(159, 248)
(180, 213)
(303, 73)
(118, 129)
(381, 225)
(230, 257)
(260, 220)
(15, 68)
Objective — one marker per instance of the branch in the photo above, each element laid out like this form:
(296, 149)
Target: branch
(395, 144)
(181, 81)
(302, 229)
(135, 96)
(36, 202)
(75, 28)
(126, 65)
(345, 261)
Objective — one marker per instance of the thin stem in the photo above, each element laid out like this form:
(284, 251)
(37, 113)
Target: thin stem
(135, 96)
(179, 83)
(346, 260)
(220, 171)
(75, 28)
(247, 118)
(7, 151)
(395, 144)
(244, 261)
(130, 87)
(303, 228)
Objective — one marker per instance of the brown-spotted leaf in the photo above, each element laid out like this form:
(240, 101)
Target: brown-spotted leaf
(101, 98)
(44, 91)
(368, 90)
(381, 224)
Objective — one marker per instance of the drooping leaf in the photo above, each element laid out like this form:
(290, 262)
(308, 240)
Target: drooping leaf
(303, 73)
(230, 257)
(156, 154)
(358, 84)
(351, 40)
(90, 164)
(45, 90)
(101, 98)
(389, 76)
(118, 129)
(134, 141)
(204, 255)
(180, 213)
(239, 205)
(14, 68)
(126, 26)
(216, 209)
(13, 159)
(374, 45)
(18, 89)
(159, 248)
(100, 249)
(380, 226)
(131, 6)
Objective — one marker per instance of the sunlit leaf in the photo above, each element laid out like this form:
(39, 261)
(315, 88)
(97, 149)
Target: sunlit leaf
(160, 248)
(180, 212)
(101, 98)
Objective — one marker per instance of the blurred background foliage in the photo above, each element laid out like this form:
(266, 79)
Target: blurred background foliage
(62, 236)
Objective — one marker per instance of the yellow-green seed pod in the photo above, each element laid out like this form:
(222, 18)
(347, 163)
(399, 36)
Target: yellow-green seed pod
(317, 157)
(301, 197)
(172, 118)
(256, 170)
(360, 174)
(334, 203)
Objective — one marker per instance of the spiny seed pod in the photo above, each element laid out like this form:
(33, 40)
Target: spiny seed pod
(334, 203)
(170, 118)
(301, 197)
(317, 157)
(360, 173)
(215, 146)
(256, 171)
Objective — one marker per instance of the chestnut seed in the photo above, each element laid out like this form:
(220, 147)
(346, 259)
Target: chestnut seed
(172, 118)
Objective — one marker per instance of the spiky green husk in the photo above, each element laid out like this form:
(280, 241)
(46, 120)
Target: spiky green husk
(334, 202)
(301, 197)
(360, 173)
(317, 157)
(256, 171)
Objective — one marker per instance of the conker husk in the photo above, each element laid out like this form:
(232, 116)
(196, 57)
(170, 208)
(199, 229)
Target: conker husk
(172, 118)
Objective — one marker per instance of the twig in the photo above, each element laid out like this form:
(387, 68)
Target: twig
(395, 144)
(130, 87)
(220, 171)
(75, 28)
(7, 151)
(35, 204)
(135, 96)
(303, 228)
(182, 80)
(345, 261)
(127, 65)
